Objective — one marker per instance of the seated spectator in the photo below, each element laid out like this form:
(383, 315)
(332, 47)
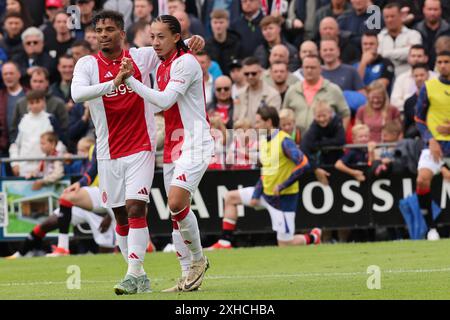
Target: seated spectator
(432, 27)
(86, 15)
(32, 125)
(51, 9)
(33, 55)
(247, 26)
(300, 97)
(140, 34)
(61, 89)
(58, 44)
(49, 171)
(382, 158)
(142, 12)
(329, 29)
(80, 125)
(54, 105)
(208, 79)
(344, 75)
(405, 85)
(377, 112)
(237, 76)
(421, 74)
(222, 103)
(79, 49)
(91, 37)
(242, 153)
(8, 100)
(12, 29)
(301, 20)
(232, 7)
(326, 131)
(225, 45)
(395, 39)
(185, 23)
(287, 124)
(195, 26)
(307, 48)
(279, 53)
(354, 20)
(79, 167)
(19, 6)
(373, 66)
(334, 9)
(355, 156)
(218, 132)
(271, 30)
(279, 74)
(256, 94)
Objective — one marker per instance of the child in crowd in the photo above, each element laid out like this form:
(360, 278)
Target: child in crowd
(31, 126)
(360, 134)
(242, 153)
(49, 171)
(287, 124)
(78, 167)
(218, 132)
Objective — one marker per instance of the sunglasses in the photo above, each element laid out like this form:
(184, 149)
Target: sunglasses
(34, 43)
(226, 89)
(253, 74)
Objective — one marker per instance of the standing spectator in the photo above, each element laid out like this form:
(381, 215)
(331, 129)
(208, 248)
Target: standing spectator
(271, 30)
(33, 55)
(125, 7)
(256, 94)
(140, 34)
(195, 27)
(334, 9)
(8, 99)
(222, 103)
(329, 29)
(225, 45)
(377, 111)
(91, 37)
(373, 66)
(354, 20)
(247, 26)
(58, 44)
(307, 48)
(35, 122)
(325, 131)
(420, 74)
(12, 29)
(79, 49)
(344, 75)
(208, 80)
(405, 85)
(142, 11)
(301, 97)
(279, 53)
(237, 76)
(52, 7)
(395, 39)
(301, 19)
(61, 89)
(185, 24)
(432, 27)
(54, 105)
(279, 74)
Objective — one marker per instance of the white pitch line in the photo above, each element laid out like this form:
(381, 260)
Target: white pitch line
(220, 277)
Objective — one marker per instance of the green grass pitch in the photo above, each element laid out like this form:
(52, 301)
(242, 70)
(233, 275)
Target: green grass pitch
(409, 270)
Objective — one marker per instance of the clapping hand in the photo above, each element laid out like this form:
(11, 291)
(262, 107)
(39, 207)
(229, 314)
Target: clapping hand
(126, 70)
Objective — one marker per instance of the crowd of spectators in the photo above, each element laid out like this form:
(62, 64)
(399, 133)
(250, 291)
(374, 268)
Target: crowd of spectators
(334, 78)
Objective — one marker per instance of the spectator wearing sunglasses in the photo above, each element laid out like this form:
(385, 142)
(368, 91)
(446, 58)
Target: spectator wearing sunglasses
(255, 94)
(34, 55)
(222, 104)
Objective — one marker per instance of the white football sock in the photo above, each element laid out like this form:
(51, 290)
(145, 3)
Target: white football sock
(122, 242)
(138, 239)
(63, 241)
(191, 235)
(183, 253)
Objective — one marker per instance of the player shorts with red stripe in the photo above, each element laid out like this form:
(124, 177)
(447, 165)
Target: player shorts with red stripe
(126, 178)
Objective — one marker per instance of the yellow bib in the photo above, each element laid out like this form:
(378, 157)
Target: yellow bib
(439, 110)
(276, 167)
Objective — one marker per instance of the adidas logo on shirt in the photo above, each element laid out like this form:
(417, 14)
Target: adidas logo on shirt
(109, 75)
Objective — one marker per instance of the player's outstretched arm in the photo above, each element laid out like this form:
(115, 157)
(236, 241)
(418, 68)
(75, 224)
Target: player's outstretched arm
(82, 90)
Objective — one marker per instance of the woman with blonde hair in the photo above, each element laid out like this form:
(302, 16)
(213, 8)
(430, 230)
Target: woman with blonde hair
(377, 111)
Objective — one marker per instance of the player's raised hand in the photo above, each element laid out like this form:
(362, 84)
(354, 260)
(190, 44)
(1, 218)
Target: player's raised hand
(196, 43)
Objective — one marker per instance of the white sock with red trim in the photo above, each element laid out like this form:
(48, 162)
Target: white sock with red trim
(187, 221)
(182, 251)
(138, 238)
(122, 239)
